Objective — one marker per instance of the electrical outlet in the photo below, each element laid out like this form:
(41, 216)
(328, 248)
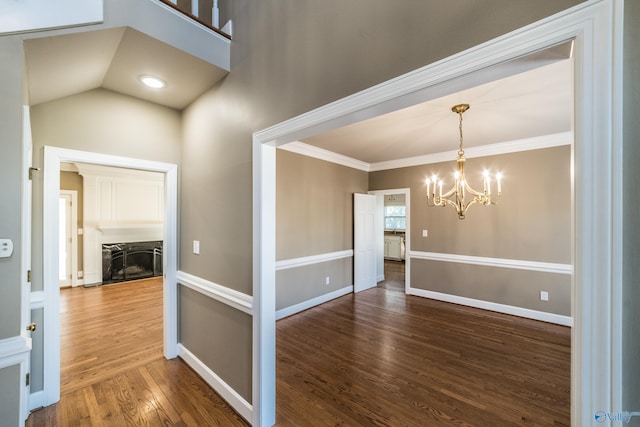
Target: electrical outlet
(196, 247)
(544, 296)
(327, 280)
(425, 233)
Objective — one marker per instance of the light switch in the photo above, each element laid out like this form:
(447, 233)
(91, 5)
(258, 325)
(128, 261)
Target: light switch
(6, 248)
(196, 247)
(425, 233)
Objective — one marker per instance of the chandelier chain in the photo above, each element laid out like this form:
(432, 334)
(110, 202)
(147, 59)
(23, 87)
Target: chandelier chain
(460, 150)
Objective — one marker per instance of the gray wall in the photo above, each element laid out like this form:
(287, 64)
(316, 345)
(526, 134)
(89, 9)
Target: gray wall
(631, 225)
(11, 101)
(219, 335)
(531, 222)
(314, 216)
(9, 399)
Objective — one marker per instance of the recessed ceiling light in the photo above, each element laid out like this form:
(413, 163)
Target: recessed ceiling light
(153, 82)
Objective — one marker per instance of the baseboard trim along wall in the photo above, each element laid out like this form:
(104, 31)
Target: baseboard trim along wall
(225, 295)
(244, 408)
(547, 267)
(313, 259)
(297, 308)
(493, 306)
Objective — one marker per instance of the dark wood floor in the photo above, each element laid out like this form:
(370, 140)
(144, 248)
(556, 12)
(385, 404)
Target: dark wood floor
(378, 358)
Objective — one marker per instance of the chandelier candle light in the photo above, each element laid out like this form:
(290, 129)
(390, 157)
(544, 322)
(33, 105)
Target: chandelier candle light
(456, 196)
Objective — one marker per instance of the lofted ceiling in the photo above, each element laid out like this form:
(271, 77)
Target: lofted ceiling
(524, 98)
(113, 59)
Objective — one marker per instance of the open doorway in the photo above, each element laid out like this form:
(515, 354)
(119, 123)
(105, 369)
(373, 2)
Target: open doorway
(592, 257)
(53, 158)
(121, 221)
(393, 234)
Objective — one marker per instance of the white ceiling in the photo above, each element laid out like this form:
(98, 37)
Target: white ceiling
(527, 104)
(114, 59)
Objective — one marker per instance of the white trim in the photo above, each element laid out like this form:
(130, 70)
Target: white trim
(36, 400)
(494, 306)
(228, 296)
(527, 144)
(25, 256)
(312, 259)
(14, 350)
(305, 305)
(264, 284)
(232, 397)
(326, 155)
(53, 156)
(547, 267)
(36, 300)
(597, 167)
(516, 146)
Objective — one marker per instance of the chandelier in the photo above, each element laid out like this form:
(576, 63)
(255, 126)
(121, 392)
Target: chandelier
(456, 195)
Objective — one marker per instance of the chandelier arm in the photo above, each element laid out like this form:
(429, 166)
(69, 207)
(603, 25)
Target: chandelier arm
(472, 191)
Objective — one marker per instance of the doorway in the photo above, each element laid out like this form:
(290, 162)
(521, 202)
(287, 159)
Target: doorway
(595, 340)
(394, 238)
(53, 157)
(68, 231)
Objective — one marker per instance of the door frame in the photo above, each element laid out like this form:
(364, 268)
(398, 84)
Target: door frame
(596, 27)
(53, 157)
(73, 233)
(407, 232)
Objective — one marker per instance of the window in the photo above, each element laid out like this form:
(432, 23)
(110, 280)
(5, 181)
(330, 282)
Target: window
(395, 218)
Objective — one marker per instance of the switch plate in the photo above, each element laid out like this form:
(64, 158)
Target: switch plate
(425, 233)
(6, 248)
(544, 296)
(196, 247)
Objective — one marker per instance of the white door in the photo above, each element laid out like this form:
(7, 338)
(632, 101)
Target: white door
(364, 241)
(64, 242)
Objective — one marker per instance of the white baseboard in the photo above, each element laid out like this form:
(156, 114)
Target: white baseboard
(241, 406)
(288, 311)
(493, 306)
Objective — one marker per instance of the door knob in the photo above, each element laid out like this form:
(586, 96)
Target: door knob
(31, 327)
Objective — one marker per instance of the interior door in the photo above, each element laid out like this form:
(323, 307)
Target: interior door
(364, 241)
(65, 238)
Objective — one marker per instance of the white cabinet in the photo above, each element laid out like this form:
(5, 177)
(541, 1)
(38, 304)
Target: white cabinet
(394, 247)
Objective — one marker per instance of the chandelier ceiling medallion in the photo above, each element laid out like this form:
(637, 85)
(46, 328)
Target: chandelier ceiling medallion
(456, 195)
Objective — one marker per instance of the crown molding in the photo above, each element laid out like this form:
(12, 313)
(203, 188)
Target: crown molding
(322, 154)
(525, 144)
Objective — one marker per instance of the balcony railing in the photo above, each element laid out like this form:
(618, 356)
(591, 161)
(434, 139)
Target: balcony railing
(204, 12)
